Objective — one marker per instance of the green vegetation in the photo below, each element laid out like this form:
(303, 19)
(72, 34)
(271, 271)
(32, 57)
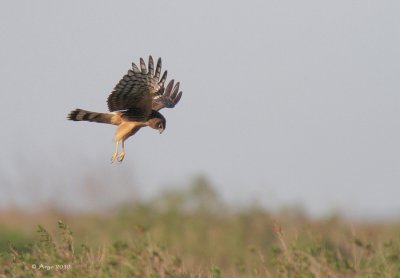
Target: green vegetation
(193, 234)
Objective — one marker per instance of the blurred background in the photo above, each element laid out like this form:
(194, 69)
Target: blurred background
(285, 104)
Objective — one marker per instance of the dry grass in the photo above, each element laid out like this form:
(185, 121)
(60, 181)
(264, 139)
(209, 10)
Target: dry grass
(192, 234)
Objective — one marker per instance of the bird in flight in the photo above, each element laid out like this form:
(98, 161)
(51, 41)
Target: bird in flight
(134, 103)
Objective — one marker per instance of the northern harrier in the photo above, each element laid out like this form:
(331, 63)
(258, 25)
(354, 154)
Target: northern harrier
(134, 103)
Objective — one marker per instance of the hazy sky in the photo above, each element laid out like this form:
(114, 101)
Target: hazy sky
(285, 102)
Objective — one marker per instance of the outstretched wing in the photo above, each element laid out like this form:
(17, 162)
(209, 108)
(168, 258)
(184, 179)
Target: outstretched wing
(137, 88)
(169, 97)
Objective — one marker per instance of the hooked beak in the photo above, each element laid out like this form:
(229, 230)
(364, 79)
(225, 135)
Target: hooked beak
(161, 130)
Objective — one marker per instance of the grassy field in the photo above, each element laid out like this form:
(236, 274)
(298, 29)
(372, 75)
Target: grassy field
(193, 234)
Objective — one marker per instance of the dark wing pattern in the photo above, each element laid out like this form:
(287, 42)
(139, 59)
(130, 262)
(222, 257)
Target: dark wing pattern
(169, 97)
(137, 88)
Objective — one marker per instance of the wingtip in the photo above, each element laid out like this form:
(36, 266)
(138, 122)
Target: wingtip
(163, 78)
(151, 66)
(170, 85)
(178, 97)
(143, 65)
(135, 68)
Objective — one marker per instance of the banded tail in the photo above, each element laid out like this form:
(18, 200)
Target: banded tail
(84, 115)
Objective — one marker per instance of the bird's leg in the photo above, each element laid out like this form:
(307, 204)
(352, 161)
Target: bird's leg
(122, 154)
(114, 156)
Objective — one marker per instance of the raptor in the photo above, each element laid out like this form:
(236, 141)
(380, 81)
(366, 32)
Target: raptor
(134, 103)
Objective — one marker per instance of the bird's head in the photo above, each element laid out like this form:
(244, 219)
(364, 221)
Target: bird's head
(157, 121)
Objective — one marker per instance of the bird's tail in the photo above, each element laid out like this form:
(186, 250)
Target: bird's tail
(84, 115)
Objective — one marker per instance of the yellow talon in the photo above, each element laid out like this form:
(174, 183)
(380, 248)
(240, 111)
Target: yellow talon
(114, 156)
(121, 156)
